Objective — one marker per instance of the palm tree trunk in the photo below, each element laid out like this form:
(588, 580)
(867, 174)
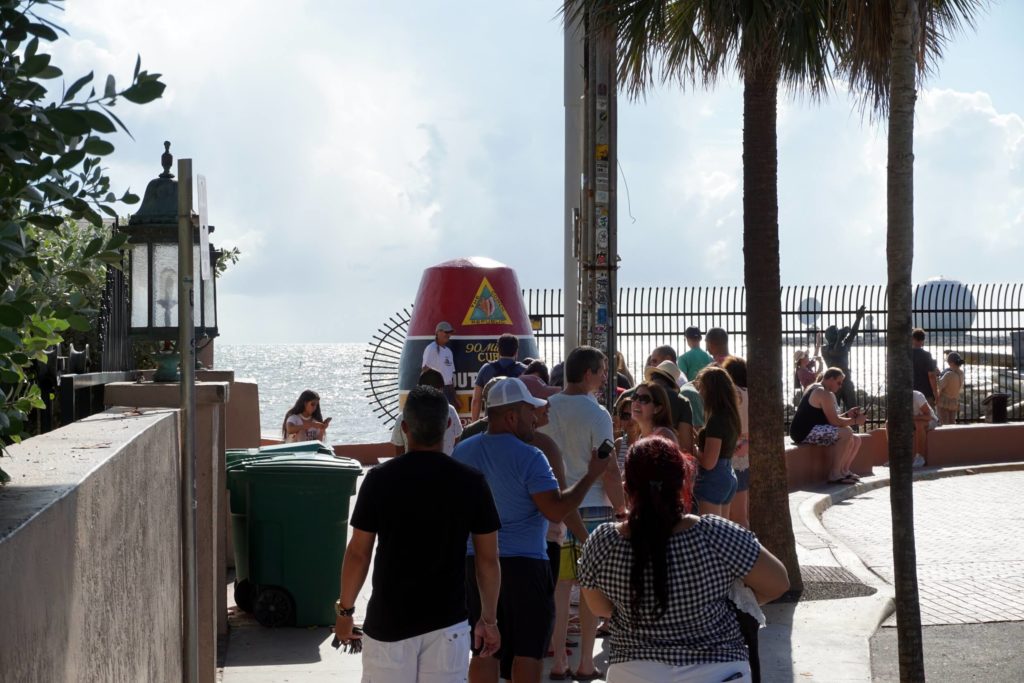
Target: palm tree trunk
(769, 492)
(900, 257)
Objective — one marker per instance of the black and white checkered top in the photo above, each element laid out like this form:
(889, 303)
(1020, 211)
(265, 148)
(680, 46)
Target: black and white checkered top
(699, 624)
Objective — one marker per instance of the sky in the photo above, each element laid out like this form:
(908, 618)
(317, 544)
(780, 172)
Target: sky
(349, 145)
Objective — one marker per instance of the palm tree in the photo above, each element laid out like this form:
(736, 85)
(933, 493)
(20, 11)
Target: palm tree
(885, 47)
(768, 42)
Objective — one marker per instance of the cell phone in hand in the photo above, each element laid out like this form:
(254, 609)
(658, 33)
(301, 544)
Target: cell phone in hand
(605, 449)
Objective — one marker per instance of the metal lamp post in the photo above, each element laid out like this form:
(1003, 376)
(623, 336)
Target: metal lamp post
(153, 272)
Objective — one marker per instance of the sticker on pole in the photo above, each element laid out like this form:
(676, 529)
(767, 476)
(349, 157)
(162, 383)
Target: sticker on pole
(486, 308)
(204, 229)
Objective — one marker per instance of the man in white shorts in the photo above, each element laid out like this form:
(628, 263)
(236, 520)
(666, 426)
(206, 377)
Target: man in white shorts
(416, 626)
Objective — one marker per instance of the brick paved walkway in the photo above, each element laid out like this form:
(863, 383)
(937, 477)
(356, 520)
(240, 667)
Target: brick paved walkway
(970, 544)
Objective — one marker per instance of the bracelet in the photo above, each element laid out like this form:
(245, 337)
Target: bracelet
(487, 623)
(343, 611)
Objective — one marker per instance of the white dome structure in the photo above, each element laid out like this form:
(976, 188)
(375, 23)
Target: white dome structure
(944, 307)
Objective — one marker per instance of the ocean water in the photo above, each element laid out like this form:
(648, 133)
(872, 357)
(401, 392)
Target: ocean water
(283, 371)
(335, 371)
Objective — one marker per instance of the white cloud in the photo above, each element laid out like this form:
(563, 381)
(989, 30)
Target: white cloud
(350, 145)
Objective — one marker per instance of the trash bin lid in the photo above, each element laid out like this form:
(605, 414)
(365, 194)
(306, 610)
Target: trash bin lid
(307, 462)
(298, 447)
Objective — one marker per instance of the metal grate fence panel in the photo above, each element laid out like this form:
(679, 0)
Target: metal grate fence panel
(984, 322)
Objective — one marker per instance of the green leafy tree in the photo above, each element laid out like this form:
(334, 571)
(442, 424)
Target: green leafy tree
(768, 43)
(52, 143)
(886, 48)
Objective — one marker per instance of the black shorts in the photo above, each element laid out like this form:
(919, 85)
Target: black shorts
(555, 558)
(526, 608)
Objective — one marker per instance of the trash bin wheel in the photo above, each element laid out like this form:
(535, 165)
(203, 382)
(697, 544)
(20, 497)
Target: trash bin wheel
(274, 607)
(245, 595)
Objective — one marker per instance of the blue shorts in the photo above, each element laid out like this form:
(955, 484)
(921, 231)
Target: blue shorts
(717, 485)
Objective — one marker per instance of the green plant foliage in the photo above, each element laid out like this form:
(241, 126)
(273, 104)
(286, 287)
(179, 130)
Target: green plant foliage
(54, 195)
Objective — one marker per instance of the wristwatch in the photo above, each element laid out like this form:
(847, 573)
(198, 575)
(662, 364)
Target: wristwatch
(343, 611)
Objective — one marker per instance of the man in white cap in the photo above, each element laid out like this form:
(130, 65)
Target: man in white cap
(437, 356)
(527, 496)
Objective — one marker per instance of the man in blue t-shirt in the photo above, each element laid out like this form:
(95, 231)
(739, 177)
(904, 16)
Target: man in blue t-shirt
(527, 496)
(505, 366)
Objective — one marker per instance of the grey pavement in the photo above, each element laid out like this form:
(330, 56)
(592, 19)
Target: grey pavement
(969, 533)
(966, 524)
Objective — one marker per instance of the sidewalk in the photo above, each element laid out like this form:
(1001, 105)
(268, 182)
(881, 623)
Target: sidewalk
(813, 639)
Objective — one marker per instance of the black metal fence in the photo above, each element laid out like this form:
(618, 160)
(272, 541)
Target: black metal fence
(981, 321)
(69, 374)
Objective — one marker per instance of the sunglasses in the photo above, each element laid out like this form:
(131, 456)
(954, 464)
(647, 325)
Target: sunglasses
(643, 399)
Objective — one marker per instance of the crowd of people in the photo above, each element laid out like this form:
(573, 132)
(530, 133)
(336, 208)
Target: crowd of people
(641, 510)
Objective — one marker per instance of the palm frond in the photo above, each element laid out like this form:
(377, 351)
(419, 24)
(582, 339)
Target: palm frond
(862, 33)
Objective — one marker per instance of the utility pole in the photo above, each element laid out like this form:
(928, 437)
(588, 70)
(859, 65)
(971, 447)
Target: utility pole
(598, 253)
(187, 351)
(573, 79)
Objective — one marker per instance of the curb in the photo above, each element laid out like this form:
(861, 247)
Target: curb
(812, 509)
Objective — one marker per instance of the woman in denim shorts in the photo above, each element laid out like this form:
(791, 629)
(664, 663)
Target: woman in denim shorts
(716, 481)
(739, 507)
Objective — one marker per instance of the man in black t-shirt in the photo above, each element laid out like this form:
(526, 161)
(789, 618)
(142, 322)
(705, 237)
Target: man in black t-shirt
(926, 370)
(505, 366)
(417, 613)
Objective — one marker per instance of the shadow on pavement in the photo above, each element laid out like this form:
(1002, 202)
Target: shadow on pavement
(955, 652)
(775, 643)
(255, 645)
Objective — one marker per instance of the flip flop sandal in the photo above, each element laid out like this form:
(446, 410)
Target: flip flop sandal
(595, 675)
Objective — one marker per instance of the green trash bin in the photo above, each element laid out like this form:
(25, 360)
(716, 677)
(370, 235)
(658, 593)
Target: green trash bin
(235, 461)
(297, 514)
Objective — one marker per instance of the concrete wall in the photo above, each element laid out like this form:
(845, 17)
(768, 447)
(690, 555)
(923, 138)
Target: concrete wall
(807, 466)
(211, 495)
(89, 552)
(243, 410)
(947, 446)
(975, 444)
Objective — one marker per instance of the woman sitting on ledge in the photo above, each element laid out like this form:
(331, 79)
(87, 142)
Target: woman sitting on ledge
(304, 422)
(817, 422)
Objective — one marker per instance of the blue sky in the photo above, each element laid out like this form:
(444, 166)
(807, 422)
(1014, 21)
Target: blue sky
(349, 145)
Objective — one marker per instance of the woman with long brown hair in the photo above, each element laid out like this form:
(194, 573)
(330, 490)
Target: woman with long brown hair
(716, 480)
(652, 412)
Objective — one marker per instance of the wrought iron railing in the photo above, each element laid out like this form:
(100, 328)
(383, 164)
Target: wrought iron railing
(981, 321)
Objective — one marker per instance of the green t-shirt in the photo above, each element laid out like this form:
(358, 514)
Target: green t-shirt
(693, 361)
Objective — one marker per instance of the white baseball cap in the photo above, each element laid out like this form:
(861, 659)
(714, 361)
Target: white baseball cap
(511, 390)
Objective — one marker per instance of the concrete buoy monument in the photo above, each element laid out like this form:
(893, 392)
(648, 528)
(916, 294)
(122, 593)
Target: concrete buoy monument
(481, 299)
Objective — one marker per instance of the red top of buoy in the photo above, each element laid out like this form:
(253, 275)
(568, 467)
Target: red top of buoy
(479, 296)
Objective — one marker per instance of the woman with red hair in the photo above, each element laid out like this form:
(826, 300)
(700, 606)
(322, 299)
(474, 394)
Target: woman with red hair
(663, 577)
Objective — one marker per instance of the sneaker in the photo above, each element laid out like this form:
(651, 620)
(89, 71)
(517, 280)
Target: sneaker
(918, 460)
